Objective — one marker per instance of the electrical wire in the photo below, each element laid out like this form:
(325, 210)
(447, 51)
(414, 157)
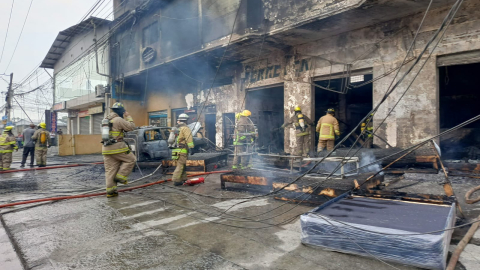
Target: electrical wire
(19, 37)
(6, 33)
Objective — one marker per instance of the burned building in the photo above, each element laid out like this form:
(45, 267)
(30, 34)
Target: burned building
(213, 59)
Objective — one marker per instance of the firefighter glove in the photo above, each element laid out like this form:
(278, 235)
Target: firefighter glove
(191, 151)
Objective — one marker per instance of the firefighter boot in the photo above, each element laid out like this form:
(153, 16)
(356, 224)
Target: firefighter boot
(120, 179)
(112, 192)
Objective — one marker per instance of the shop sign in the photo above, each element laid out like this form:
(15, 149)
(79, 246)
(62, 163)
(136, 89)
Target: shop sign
(53, 121)
(60, 106)
(83, 113)
(95, 110)
(254, 74)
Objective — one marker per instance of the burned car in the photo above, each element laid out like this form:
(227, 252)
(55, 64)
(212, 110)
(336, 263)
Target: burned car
(151, 143)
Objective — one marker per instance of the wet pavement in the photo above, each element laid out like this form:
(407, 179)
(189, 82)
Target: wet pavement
(163, 227)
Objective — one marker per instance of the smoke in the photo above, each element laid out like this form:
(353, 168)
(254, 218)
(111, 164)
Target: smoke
(368, 157)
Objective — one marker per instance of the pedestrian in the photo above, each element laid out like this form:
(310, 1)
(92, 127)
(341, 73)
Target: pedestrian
(7, 145)
(327, 127)
(244, 140)
(42, 143)
(184, 145)
(28, 145)
(118, 159)
(302, 125)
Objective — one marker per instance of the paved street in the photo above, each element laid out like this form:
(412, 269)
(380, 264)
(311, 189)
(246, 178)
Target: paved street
(162, 227)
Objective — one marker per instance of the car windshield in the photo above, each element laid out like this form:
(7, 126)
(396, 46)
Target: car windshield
(156, 134)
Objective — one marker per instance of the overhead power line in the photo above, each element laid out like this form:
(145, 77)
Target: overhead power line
(19, 37)
(6, 34)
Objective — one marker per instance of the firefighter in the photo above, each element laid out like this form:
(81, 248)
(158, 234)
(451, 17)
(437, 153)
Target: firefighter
(327, 127)
(183, 146)
(118, 159)
(244, 140)
(367, 126)
(8, 143)
(42, 143)
(302, 125)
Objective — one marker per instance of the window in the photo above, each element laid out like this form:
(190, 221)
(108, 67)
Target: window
(158, 119)
(150, 34)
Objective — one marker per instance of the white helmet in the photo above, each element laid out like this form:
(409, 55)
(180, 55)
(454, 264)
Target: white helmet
(183, 117)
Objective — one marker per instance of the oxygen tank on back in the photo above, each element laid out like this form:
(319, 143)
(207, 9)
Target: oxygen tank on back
(43, 138)
(172, 142)
(301, 121)
(105, 131)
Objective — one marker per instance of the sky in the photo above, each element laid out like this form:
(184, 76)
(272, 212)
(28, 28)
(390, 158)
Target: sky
(45, 20)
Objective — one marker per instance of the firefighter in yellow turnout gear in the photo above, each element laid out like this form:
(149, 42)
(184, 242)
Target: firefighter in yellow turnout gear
(367, 126)
(328, 127)
(8, 143)
(118, 159)
(42, 143)
(302, 125)
(244, 140)
(184, 145)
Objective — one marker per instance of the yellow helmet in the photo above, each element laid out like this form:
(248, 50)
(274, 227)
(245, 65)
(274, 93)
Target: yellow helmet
(331, 110)
(43, 125)
(246, 113)
(298, 109)
(8, 128)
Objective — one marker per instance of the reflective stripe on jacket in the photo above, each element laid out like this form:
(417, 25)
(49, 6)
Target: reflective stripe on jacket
(8, 143)
(328, 127)
(185, 139)
(119, 127)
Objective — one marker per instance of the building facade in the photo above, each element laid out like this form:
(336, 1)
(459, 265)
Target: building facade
(213, 59)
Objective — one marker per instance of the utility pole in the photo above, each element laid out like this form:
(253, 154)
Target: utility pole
(9, 99)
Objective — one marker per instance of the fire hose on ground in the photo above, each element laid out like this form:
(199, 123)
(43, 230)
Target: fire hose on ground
(100, 193)
(51, 167)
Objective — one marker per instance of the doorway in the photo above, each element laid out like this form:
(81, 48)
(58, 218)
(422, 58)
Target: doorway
(351, 103)
(267, 110)
(210, 129)
(228, 130)
(459, 99)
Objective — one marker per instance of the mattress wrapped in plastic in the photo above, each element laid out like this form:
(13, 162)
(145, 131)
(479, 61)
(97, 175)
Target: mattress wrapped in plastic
(391, 230)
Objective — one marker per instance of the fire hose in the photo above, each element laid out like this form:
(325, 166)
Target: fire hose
(52, 167)
(100, 193)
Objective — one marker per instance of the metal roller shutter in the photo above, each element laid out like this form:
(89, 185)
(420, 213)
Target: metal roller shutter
(97, 123)
(84, 125)
(74, 126)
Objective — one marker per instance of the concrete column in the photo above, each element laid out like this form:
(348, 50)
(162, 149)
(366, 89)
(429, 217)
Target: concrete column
(416, 116)
(91, 125)
(296, 93)
(78, 124)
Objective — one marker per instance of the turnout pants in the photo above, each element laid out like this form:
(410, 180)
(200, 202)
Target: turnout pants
(41, 156)
(5, 161)
(238, 158)
(302, 145)
(26, 151)
(180, 173)
(330, 144)
(117, 168)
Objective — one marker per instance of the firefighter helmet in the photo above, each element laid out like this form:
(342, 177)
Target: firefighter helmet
(246, 113)
(331, 110)
(183, 117)
(42, 125)
(117, 105)
(298, 109)
(8, 128)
